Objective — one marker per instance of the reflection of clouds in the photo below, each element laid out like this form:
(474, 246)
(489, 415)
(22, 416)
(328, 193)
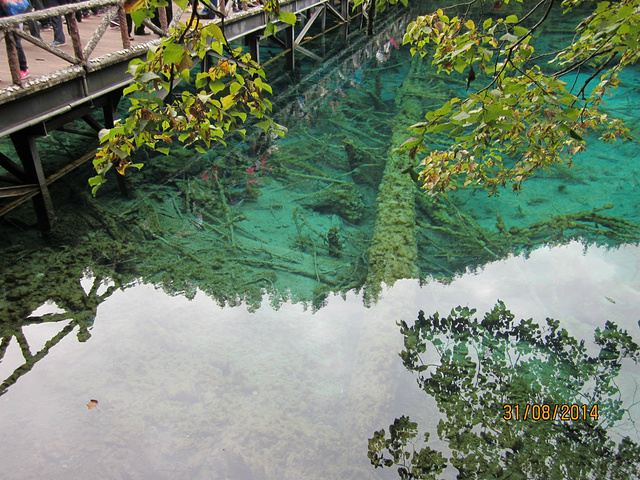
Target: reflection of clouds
(180, 383)
(563, 282)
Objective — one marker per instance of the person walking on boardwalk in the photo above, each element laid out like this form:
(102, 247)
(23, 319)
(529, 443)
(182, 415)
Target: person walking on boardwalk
(22, 59)
(56, 22)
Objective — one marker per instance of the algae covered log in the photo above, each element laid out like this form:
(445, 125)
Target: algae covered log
(393, 253)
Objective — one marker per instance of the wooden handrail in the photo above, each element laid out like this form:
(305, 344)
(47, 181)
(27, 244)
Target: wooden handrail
(12, 21)
(81, 53)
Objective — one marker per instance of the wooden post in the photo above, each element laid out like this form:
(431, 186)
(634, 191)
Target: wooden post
(124, 34)
(74, 33)
(27, 150)
(110, 116)
(12, 54)
(206, 62)
(289, 44)
(162, 16)
(345, 14)
(252, 40)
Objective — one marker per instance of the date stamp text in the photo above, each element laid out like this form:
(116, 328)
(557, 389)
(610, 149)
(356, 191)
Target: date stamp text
(563, 413)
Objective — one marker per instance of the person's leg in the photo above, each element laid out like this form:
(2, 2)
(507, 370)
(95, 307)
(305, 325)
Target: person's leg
(156, 18)
(56, 23)
(22, 59)
(140, 31)
(44, 23)
(58, 33)
(34, 28)
(169, 10)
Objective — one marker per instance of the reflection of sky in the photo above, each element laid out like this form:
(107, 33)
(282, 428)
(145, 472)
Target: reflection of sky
(188, 389)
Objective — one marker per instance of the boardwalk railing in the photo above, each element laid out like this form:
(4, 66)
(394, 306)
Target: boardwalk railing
(81, 52)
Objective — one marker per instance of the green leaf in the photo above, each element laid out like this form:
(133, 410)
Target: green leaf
(182, 3)
(509, 37)
(511, 19)
(217, 86)
(262, 85)
(241, 115)
(271, 29)
(214, 31)
(234, 87)
(217, 47)
(139, 15)
(104, 134)
(573, 134)
(97, 180)
(487, 23)
(120, 153)
(288, 17)
(131, 88)
(520, 31)
(264, 124)
(461, 116)
(147, 77)
(173, 53)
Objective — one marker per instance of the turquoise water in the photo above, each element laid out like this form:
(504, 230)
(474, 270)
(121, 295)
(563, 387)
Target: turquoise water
(222, 332)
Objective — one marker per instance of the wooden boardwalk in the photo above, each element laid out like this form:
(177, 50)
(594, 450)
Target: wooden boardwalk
(42, 62)
(89, 73)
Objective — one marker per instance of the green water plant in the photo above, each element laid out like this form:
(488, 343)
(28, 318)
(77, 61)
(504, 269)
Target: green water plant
(516, 400)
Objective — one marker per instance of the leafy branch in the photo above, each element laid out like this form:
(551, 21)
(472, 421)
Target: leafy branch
(224, 98)
(522, 112)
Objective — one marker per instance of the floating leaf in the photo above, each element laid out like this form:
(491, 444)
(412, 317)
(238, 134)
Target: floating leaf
(92, 403)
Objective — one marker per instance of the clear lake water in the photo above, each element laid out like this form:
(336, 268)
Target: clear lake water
(222, 314)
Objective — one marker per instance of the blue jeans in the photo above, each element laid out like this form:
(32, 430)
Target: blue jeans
(22, 59)
(56, 22)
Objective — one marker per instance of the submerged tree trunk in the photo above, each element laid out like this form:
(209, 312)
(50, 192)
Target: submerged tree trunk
(393, 253)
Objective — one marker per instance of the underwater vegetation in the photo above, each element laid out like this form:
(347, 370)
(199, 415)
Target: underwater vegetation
(325, 209)
(518, 400)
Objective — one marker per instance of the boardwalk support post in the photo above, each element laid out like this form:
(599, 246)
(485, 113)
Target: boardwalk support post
(289, 41)
(253, 42)
(27, 150)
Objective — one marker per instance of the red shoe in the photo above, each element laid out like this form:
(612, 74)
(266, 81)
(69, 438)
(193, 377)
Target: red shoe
(24, 74)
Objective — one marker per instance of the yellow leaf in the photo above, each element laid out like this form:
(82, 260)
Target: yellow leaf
(226, 101)
(120, 168)
(470, 25)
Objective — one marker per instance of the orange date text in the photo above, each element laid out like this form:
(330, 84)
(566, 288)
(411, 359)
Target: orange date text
(563, 413)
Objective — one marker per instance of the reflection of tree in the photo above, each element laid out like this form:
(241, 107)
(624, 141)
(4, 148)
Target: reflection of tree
(78, 306)
(485, 365)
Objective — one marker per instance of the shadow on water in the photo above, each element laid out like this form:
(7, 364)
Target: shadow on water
(281, 225)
